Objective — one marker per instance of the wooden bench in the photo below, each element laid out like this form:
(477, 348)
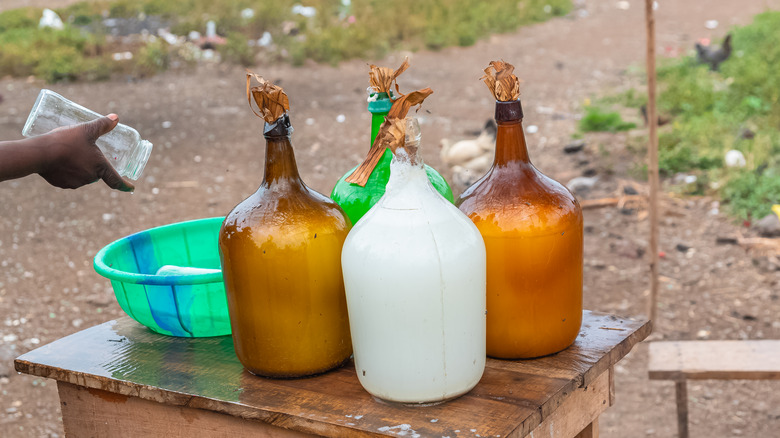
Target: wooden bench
(703, 360)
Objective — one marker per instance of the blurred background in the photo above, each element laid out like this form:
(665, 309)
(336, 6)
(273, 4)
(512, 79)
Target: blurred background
(175, 71)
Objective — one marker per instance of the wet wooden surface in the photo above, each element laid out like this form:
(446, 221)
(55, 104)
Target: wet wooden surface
(512, 399)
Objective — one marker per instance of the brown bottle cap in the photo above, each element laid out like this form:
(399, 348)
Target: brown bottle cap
(509, 111)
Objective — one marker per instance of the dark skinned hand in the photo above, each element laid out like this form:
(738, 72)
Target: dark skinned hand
(73, 159)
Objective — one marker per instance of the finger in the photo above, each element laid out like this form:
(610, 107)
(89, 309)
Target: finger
(113, 180)
(98, 127)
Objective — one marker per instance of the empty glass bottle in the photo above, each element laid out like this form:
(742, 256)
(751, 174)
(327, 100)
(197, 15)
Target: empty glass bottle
(123, 146)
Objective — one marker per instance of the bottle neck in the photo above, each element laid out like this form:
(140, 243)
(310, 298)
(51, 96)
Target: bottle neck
(510, 138)
(510, 143)
(406, 169)
(376, 122)
(379, 107)
(409, 154)
(280, 165)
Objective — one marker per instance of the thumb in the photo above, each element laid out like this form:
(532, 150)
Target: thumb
(113, 180)
(98, 127)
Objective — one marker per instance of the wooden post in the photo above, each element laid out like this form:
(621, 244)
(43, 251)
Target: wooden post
(652, 158)
(681, 390)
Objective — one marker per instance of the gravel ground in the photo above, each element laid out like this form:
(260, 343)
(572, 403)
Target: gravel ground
(209, 155)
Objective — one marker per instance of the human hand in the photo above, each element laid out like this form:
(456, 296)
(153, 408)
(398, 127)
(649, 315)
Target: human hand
(73, 159)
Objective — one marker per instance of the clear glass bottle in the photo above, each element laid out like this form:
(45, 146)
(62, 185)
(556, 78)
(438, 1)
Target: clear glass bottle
(123, 146)
(357, 200)
(414, 271)
(281, 262)
(532, 227)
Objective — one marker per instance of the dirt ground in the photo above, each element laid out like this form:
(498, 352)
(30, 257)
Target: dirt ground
(209, 156)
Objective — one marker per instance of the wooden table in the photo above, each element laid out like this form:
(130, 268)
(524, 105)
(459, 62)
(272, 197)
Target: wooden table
(119, 379)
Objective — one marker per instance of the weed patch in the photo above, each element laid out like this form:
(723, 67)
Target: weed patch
(339, 30)
(713, 112)
(597, 119)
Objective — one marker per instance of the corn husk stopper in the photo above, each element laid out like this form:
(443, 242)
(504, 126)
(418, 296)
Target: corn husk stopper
(391, 134)
(382, 78)
(270, 99)
(501, 82)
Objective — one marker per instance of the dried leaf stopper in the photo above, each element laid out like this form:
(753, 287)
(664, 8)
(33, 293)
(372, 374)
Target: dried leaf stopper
(501, 82)
(391, 134)
(382, 78)
(271, 99)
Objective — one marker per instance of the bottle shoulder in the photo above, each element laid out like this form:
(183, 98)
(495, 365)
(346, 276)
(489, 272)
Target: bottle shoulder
(520, 200)
(439, 183)
(278, 207)
(435, 225)
(512, 184)
(414, 206)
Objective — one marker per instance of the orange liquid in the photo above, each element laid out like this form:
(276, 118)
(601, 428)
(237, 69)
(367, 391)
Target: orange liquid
(534, 284)
(532, 228)
(281, 259)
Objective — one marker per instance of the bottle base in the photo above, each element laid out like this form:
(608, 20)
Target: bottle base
(528, 356)
(420, 404)
(290, 376)
(415, 404)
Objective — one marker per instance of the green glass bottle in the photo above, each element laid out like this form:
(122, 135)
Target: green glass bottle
(356, 200)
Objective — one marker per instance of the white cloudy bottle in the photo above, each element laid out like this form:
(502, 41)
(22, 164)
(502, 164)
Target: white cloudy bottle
(414, 273)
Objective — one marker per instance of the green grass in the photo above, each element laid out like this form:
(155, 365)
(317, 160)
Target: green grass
(365, 29)
(751, 194)
(596, 119)
(711, 112)
(52, 55)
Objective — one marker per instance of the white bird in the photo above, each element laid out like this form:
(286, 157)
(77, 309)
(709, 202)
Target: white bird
(467, 174)
(735, 158)
(461, 152)
(470, 159)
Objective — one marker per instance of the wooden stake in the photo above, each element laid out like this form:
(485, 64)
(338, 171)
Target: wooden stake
(681, 396)
(652, 159)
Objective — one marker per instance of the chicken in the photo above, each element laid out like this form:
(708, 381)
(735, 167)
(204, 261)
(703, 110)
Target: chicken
(714, 57)
(582, 185)
(467, 174)
(470, 159)
(662, 120)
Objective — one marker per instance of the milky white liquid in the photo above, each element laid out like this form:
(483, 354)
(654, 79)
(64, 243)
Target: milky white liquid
(414, 272)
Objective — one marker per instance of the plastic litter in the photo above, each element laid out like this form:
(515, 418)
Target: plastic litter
(50, 19)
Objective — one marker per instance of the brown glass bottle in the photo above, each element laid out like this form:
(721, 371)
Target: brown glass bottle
(532, 227)
(281, 261)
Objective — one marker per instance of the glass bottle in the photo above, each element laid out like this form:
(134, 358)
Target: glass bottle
(281, 262)
(532, 227)
(414, 271)
(357, 200)
(123, 146)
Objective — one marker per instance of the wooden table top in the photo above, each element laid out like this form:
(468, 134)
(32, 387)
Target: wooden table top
(513, 397)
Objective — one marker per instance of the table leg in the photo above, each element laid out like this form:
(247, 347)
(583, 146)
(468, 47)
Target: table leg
(590, 431)
(681, 390)
(578, 415)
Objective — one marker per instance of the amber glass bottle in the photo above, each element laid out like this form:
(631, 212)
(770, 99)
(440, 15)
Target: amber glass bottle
(281, 261)
(532, 227)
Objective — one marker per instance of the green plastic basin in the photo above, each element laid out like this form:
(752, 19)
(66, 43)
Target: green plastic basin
(177, 304)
